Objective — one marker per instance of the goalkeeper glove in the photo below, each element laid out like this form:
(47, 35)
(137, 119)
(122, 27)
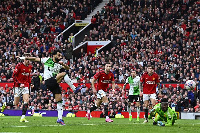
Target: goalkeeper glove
(159, 123)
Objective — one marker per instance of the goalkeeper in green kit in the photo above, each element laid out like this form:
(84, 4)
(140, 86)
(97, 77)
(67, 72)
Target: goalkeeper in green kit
(162, 112)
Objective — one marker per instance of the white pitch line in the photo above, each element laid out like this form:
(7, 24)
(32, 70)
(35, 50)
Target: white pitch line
(88, 124)
(39, 125)
(11, 132)
(19, 126)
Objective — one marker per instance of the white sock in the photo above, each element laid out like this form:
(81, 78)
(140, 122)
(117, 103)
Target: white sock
(107, 117)
(129, 110)
(69, 82)
(23, 116)
(60, 110)
(88, 111)
(138, 111)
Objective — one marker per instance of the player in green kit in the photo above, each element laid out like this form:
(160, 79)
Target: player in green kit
(163, 112)
(54, 73)
(134, 93)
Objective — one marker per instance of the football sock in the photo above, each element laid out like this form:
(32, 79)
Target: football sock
(24, 109)
(60, 109)
(106, 109)
(129, 110)
(138, 111)
(92, 109)
(146, 114)
(69, 82)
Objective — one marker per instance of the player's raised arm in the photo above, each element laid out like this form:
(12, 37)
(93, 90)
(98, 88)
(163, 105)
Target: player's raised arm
(30, 58)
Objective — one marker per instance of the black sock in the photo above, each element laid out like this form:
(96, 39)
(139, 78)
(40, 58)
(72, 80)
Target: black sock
(106, 110)
(93, 108)
(146, 114)
(24, 109)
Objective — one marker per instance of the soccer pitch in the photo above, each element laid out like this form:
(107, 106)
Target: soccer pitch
(95, 125)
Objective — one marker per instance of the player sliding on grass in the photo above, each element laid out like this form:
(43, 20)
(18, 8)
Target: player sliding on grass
(54, 72)
(162, 112)
(22, 79)
(134, 93)
(103, 78)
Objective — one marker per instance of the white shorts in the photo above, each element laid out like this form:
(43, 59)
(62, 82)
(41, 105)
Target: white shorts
(146, 97)
(20, 91)
(101, 94)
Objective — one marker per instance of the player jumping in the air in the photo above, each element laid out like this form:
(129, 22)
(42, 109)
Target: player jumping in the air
(103, 78)
(134, 93)
(54, 72)
(162, 112)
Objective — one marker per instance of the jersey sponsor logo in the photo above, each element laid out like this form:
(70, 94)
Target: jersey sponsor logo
(150, 82)
(105, 81)
(25, 74)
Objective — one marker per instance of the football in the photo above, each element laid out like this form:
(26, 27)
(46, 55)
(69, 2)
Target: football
(190, 85)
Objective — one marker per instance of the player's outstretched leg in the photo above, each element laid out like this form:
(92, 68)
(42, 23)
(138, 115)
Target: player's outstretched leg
(106, 113)
(24, 109)
(69, 82)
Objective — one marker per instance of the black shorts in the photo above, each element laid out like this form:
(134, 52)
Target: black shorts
(135, 97)
(53, 86)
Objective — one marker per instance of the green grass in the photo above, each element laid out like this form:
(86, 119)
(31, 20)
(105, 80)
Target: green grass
(95, 125)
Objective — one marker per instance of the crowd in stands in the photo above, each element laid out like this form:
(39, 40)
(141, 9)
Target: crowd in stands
(163, 33)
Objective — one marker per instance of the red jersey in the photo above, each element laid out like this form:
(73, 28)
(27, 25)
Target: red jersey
(103, 80)
(149, 82)
(22, 74)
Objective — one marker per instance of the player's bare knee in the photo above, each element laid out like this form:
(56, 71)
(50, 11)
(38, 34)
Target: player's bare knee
(26, 100)
(137, 105)
(58, 97)
(63, 74)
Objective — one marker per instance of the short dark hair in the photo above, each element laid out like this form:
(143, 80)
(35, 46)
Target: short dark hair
(56, 51)
(152, 66)
(164, 100)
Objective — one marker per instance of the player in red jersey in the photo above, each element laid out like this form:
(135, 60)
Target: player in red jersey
(149, 80)
(22, 79)
(103, 78)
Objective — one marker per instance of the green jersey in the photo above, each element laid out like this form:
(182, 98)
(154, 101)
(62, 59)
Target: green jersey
(134, 85)
(169, 116)
(50, 67)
